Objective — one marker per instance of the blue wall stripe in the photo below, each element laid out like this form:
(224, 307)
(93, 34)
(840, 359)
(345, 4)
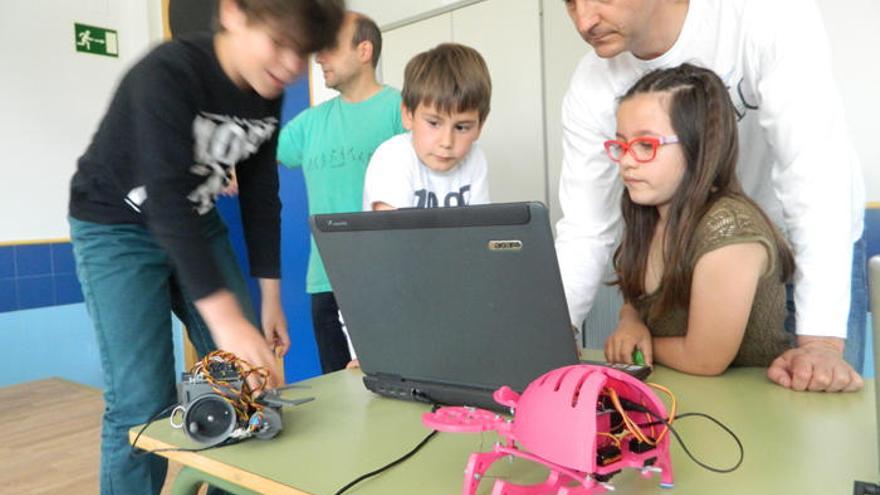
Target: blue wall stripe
(301, 361)
(8, 295)
(62, 258)
(35, 292)
(34, 259)
(7, 261)
(37, 276)
(67, 289)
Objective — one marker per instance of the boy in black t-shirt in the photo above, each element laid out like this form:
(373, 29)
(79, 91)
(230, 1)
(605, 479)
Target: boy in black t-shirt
(146, 236)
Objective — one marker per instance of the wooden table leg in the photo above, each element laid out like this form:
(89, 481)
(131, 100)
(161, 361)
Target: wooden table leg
(189, 481)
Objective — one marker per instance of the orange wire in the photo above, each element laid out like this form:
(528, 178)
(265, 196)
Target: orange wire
(241, 400)
(612, 437)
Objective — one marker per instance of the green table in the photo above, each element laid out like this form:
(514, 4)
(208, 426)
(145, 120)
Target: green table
(795, 443)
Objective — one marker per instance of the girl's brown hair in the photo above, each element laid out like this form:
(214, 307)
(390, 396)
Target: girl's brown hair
(705, 122)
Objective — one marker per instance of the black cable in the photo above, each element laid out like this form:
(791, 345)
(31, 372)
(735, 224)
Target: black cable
(389, 465)
(134, 449)
(721, 425)
(419, 395)
(665, 422)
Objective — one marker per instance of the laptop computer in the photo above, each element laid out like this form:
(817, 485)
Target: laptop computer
(446, 305)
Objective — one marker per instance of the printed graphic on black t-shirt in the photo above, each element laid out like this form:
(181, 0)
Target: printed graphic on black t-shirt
(221, 141)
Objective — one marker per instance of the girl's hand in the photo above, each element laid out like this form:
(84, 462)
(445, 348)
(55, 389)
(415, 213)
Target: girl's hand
(630, 335)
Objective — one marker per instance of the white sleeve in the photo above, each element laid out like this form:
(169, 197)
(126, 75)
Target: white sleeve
(388, 178)
(589, 194)
(480, 182)
(351, 350)
(816, 176)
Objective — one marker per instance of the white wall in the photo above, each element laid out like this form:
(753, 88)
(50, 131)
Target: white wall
(854, 29)
(51, 99)
(386, 12)
(318, 91)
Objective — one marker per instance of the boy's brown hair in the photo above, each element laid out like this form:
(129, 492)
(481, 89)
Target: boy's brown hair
(451, 77)
(307, 25)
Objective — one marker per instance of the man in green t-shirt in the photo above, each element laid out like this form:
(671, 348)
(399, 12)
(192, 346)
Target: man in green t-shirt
(333, 143)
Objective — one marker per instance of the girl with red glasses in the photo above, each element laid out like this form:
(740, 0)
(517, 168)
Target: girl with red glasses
(701, 268)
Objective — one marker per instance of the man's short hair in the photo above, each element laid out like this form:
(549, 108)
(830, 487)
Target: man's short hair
(365, 29)
(307, 25)
(451, 77)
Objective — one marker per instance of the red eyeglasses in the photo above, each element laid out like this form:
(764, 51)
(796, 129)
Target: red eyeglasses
(643, 148)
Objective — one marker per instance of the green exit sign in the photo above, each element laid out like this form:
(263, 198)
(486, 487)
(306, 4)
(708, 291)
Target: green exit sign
(96, 40)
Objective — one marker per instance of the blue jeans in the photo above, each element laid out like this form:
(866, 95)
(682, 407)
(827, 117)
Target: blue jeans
(130, 290)
(856, 325)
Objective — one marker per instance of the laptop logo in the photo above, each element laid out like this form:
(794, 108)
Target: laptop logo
(505, 245)
(337, 223)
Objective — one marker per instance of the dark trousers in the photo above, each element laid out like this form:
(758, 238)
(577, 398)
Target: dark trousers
(332, 345)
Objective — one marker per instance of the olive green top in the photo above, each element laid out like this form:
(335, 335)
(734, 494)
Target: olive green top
(734, 221)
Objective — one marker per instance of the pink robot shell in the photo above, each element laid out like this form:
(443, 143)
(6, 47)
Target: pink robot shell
(568, 420)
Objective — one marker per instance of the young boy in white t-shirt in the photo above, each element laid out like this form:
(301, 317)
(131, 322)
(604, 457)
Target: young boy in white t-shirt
(445, 101)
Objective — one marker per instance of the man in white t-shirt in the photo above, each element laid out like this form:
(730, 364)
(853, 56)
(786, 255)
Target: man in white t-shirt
(445, 101)
(796, 159)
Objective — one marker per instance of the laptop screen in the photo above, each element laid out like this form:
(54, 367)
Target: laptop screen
(466, 297)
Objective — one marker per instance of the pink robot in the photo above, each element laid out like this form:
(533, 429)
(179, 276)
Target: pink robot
(585, 423)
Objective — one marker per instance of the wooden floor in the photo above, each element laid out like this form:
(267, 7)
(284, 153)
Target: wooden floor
(51, 438)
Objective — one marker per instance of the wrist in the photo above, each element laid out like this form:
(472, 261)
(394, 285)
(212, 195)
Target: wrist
(270, 290)
(835, 344)
(629, 313)
(219, 309)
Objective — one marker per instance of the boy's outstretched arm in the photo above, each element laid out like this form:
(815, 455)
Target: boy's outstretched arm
(234, 333)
